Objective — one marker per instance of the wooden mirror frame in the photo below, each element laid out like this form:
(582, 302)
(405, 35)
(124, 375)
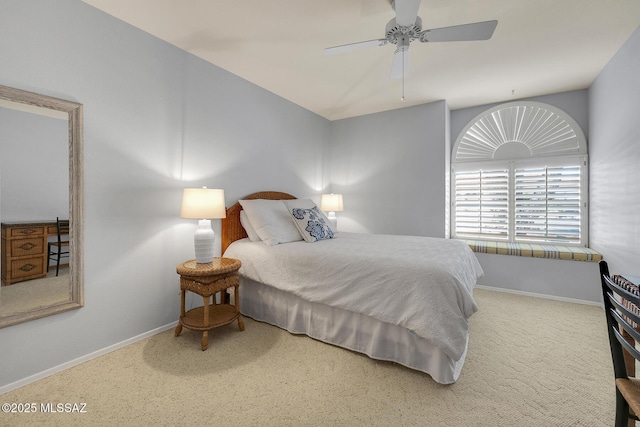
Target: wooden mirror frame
(76, 198)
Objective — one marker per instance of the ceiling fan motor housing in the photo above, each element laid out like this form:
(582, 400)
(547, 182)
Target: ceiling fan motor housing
(402, 36)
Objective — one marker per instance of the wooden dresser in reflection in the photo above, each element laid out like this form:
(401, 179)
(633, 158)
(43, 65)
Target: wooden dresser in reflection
(24, 250)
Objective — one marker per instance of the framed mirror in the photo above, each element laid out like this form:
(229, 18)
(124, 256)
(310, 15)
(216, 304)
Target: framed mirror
(42, 182)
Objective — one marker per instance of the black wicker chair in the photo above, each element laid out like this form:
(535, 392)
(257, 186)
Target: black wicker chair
(60, 248)
(621, 304)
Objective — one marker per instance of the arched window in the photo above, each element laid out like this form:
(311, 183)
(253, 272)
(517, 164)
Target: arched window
(519, 174)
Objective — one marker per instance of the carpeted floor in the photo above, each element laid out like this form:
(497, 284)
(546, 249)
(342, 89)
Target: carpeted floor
(30, 294)
(531, 362)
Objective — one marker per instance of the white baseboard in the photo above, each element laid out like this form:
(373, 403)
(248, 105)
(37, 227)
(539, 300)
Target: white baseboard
(533, 294)
(48, 372)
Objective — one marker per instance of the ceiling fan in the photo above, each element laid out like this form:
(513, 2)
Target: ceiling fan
(407, 27)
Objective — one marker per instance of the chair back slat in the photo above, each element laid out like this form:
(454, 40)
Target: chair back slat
(618, 300)
(623, 341)
(62, 228)
(627, 302)
(628, 294)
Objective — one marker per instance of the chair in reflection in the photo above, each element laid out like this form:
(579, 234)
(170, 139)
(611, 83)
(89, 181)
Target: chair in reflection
(59, 249)
(622, 310)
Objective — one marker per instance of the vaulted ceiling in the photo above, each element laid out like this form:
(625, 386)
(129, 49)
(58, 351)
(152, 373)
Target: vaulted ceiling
(539, 47)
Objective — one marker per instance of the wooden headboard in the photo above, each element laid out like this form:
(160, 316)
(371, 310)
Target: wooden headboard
(232, 229)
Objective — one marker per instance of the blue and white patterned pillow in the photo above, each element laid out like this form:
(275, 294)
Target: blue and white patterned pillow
(311, 222)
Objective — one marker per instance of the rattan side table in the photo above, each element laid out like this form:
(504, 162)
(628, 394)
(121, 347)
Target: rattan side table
(207, 280)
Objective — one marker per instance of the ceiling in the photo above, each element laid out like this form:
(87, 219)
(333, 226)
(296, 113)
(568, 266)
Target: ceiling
(539, 47)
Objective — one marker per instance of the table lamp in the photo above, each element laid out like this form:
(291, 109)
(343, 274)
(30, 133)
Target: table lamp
(332, 203)
(203, 203)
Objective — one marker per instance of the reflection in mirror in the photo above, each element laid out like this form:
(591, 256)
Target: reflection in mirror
(40, 183)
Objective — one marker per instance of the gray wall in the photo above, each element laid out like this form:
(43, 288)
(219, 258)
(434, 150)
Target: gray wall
(614, 148)
(157, 119)
(391, 169)
(34, 167)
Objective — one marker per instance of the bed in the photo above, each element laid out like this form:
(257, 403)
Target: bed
(402, 299)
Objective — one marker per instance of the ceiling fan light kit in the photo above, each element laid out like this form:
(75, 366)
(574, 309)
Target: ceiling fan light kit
(395, 33)
(407, 27)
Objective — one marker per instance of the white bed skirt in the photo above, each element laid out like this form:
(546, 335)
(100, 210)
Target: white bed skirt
(357, 332)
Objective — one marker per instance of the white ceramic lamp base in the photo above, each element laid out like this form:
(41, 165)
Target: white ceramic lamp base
(204, 240)
(333, 220)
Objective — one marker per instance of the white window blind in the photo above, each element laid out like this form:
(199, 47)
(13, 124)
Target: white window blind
(521, 201)
(482, 203)
(547, 204)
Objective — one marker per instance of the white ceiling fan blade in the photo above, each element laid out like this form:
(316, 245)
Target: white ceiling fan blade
(406, 12)
(400, 64)
(457, 33)
(354, 46)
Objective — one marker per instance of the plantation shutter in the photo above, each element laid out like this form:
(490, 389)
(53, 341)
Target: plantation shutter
(547, 204)
(482, 203)
(519, 173)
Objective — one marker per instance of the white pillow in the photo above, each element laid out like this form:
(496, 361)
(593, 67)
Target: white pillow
(246, 224)
(271, 220)
(311, 221)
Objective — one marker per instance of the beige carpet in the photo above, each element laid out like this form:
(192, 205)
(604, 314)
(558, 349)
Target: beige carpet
(31, 294)
(531, 362)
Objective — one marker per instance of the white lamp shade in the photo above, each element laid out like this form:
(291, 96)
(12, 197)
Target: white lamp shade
(202, 203)
(331, 203)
